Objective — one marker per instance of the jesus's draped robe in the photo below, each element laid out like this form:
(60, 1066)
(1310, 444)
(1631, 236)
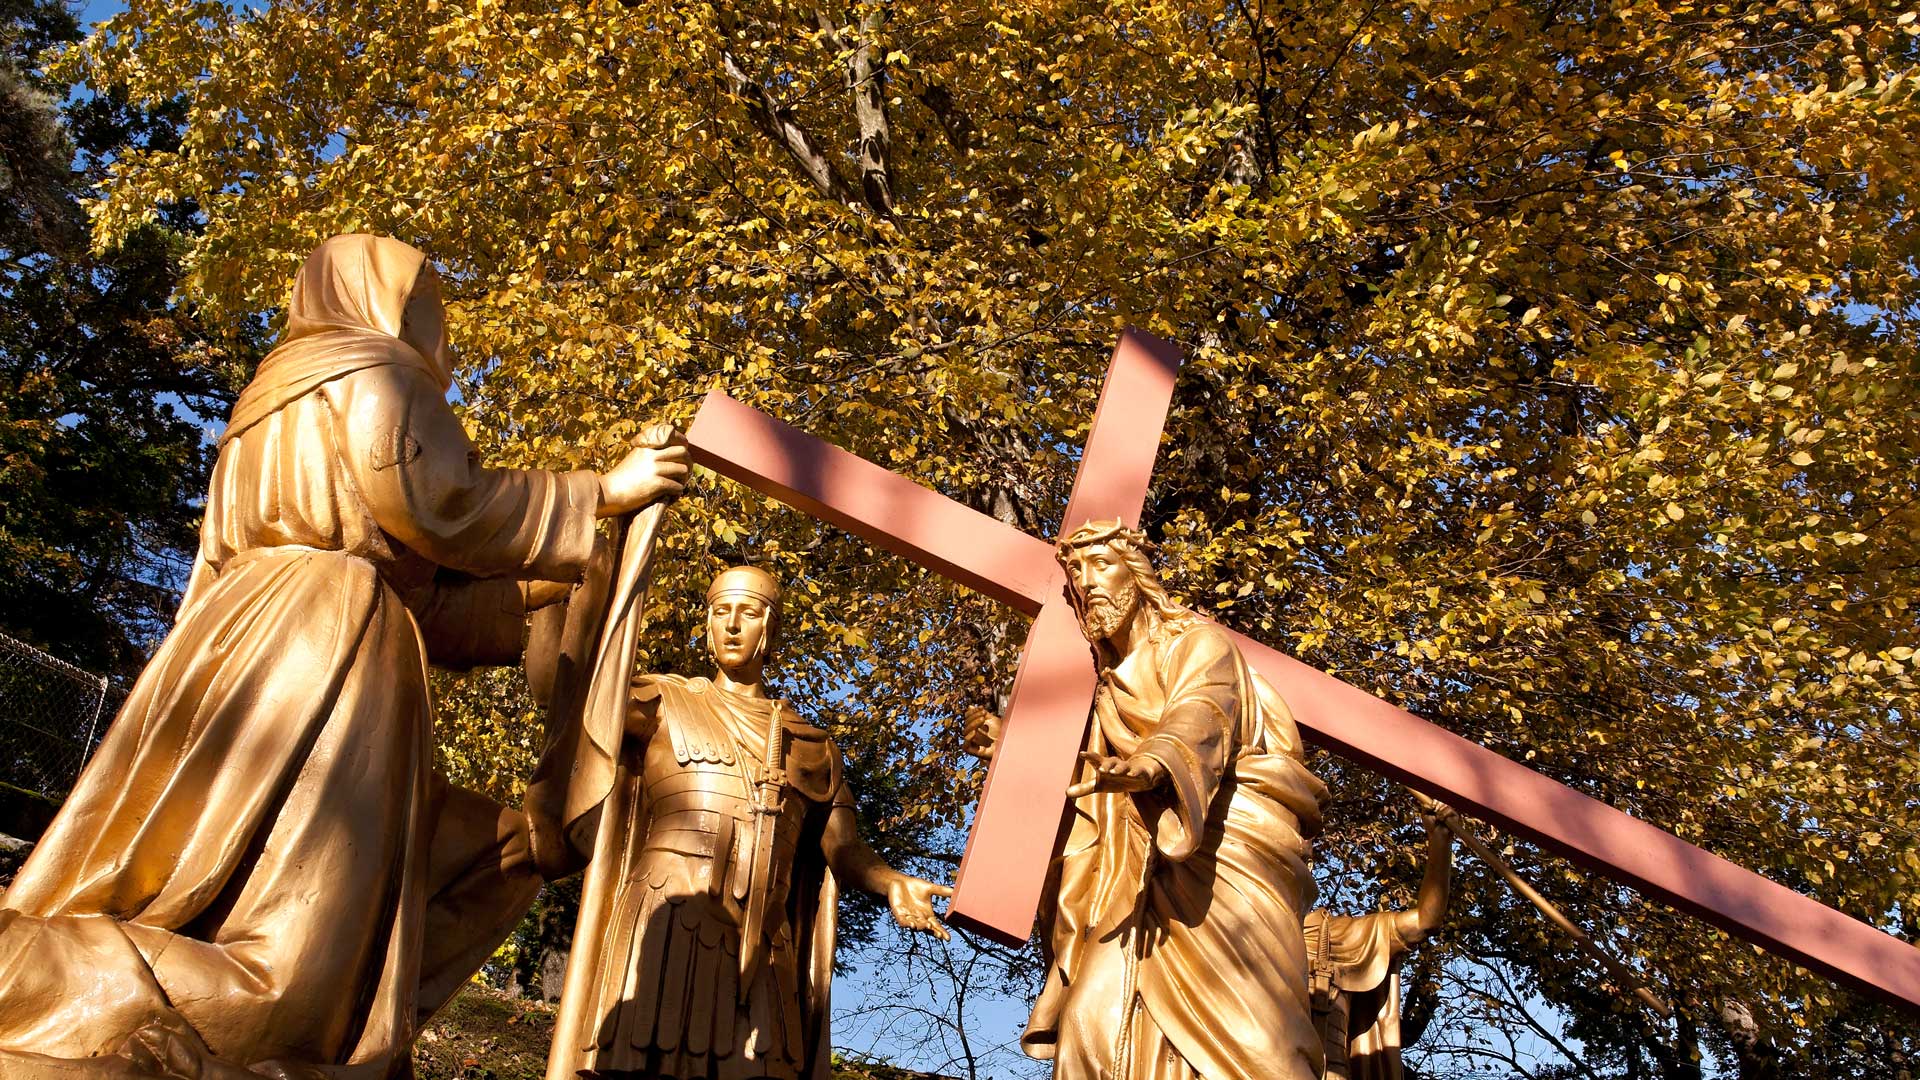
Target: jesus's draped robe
(1175, 927)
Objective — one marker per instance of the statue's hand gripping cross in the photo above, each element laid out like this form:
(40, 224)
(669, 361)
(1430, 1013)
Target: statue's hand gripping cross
(1005, 867)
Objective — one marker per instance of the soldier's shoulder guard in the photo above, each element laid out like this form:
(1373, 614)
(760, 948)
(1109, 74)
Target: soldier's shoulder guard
(659, 680)
(644, 688)
(696, 735)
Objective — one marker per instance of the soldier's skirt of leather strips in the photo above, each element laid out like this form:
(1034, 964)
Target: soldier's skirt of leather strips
(674, 1009)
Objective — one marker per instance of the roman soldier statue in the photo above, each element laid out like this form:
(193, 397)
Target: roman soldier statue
(705, 943)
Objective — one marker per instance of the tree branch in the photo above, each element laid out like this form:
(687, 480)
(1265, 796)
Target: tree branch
(865, 80)
(778, 124)
(957, 125)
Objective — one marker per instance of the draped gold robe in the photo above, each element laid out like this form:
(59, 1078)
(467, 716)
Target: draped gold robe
(1175, 928)
(260, 861)
(1354, 961)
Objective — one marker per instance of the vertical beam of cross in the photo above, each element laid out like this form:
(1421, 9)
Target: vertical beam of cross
(991, 557)
(1011, 844)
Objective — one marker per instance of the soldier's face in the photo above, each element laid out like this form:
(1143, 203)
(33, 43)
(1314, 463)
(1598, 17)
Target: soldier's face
(737, 631)
(1104, 583)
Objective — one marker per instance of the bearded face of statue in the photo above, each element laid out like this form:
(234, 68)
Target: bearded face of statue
(1104, 585)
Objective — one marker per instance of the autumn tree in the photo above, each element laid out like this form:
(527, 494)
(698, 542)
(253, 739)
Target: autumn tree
(1553, 374)
(104, 380)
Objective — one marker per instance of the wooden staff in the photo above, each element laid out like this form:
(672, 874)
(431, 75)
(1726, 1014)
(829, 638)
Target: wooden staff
(1620, 972)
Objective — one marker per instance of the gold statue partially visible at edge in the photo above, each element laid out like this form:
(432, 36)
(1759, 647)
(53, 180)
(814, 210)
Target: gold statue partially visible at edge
(260, 873)
(1173, 929)
(706, 934)
(1354, 962)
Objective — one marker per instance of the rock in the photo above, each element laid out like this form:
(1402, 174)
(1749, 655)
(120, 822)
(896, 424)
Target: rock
(13, 852)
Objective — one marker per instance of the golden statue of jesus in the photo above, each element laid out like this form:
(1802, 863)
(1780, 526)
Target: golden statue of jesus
(1174, 927)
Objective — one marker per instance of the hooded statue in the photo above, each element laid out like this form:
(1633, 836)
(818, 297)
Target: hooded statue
(260, 872)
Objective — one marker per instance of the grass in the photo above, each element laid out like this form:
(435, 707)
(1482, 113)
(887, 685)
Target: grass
(485, 1034)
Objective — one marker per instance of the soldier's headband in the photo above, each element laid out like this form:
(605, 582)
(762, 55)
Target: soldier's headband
(750, 580)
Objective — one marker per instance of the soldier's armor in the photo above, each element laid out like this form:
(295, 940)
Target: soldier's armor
(698, 788)
(700, 782)
(1351, 961)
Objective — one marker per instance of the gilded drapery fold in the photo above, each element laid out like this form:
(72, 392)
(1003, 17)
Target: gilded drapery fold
(1195, 738)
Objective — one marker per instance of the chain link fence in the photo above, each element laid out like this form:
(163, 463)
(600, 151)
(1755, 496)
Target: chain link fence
(51, 718)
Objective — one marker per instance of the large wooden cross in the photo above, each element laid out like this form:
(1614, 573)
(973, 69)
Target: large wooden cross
(1005, 866)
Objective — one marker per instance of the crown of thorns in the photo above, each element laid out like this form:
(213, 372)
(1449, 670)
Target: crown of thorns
(1104, 532)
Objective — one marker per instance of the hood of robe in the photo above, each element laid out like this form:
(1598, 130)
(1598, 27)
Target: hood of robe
(346, 313)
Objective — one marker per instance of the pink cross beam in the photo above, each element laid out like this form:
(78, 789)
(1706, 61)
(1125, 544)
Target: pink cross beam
(1004, 870)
